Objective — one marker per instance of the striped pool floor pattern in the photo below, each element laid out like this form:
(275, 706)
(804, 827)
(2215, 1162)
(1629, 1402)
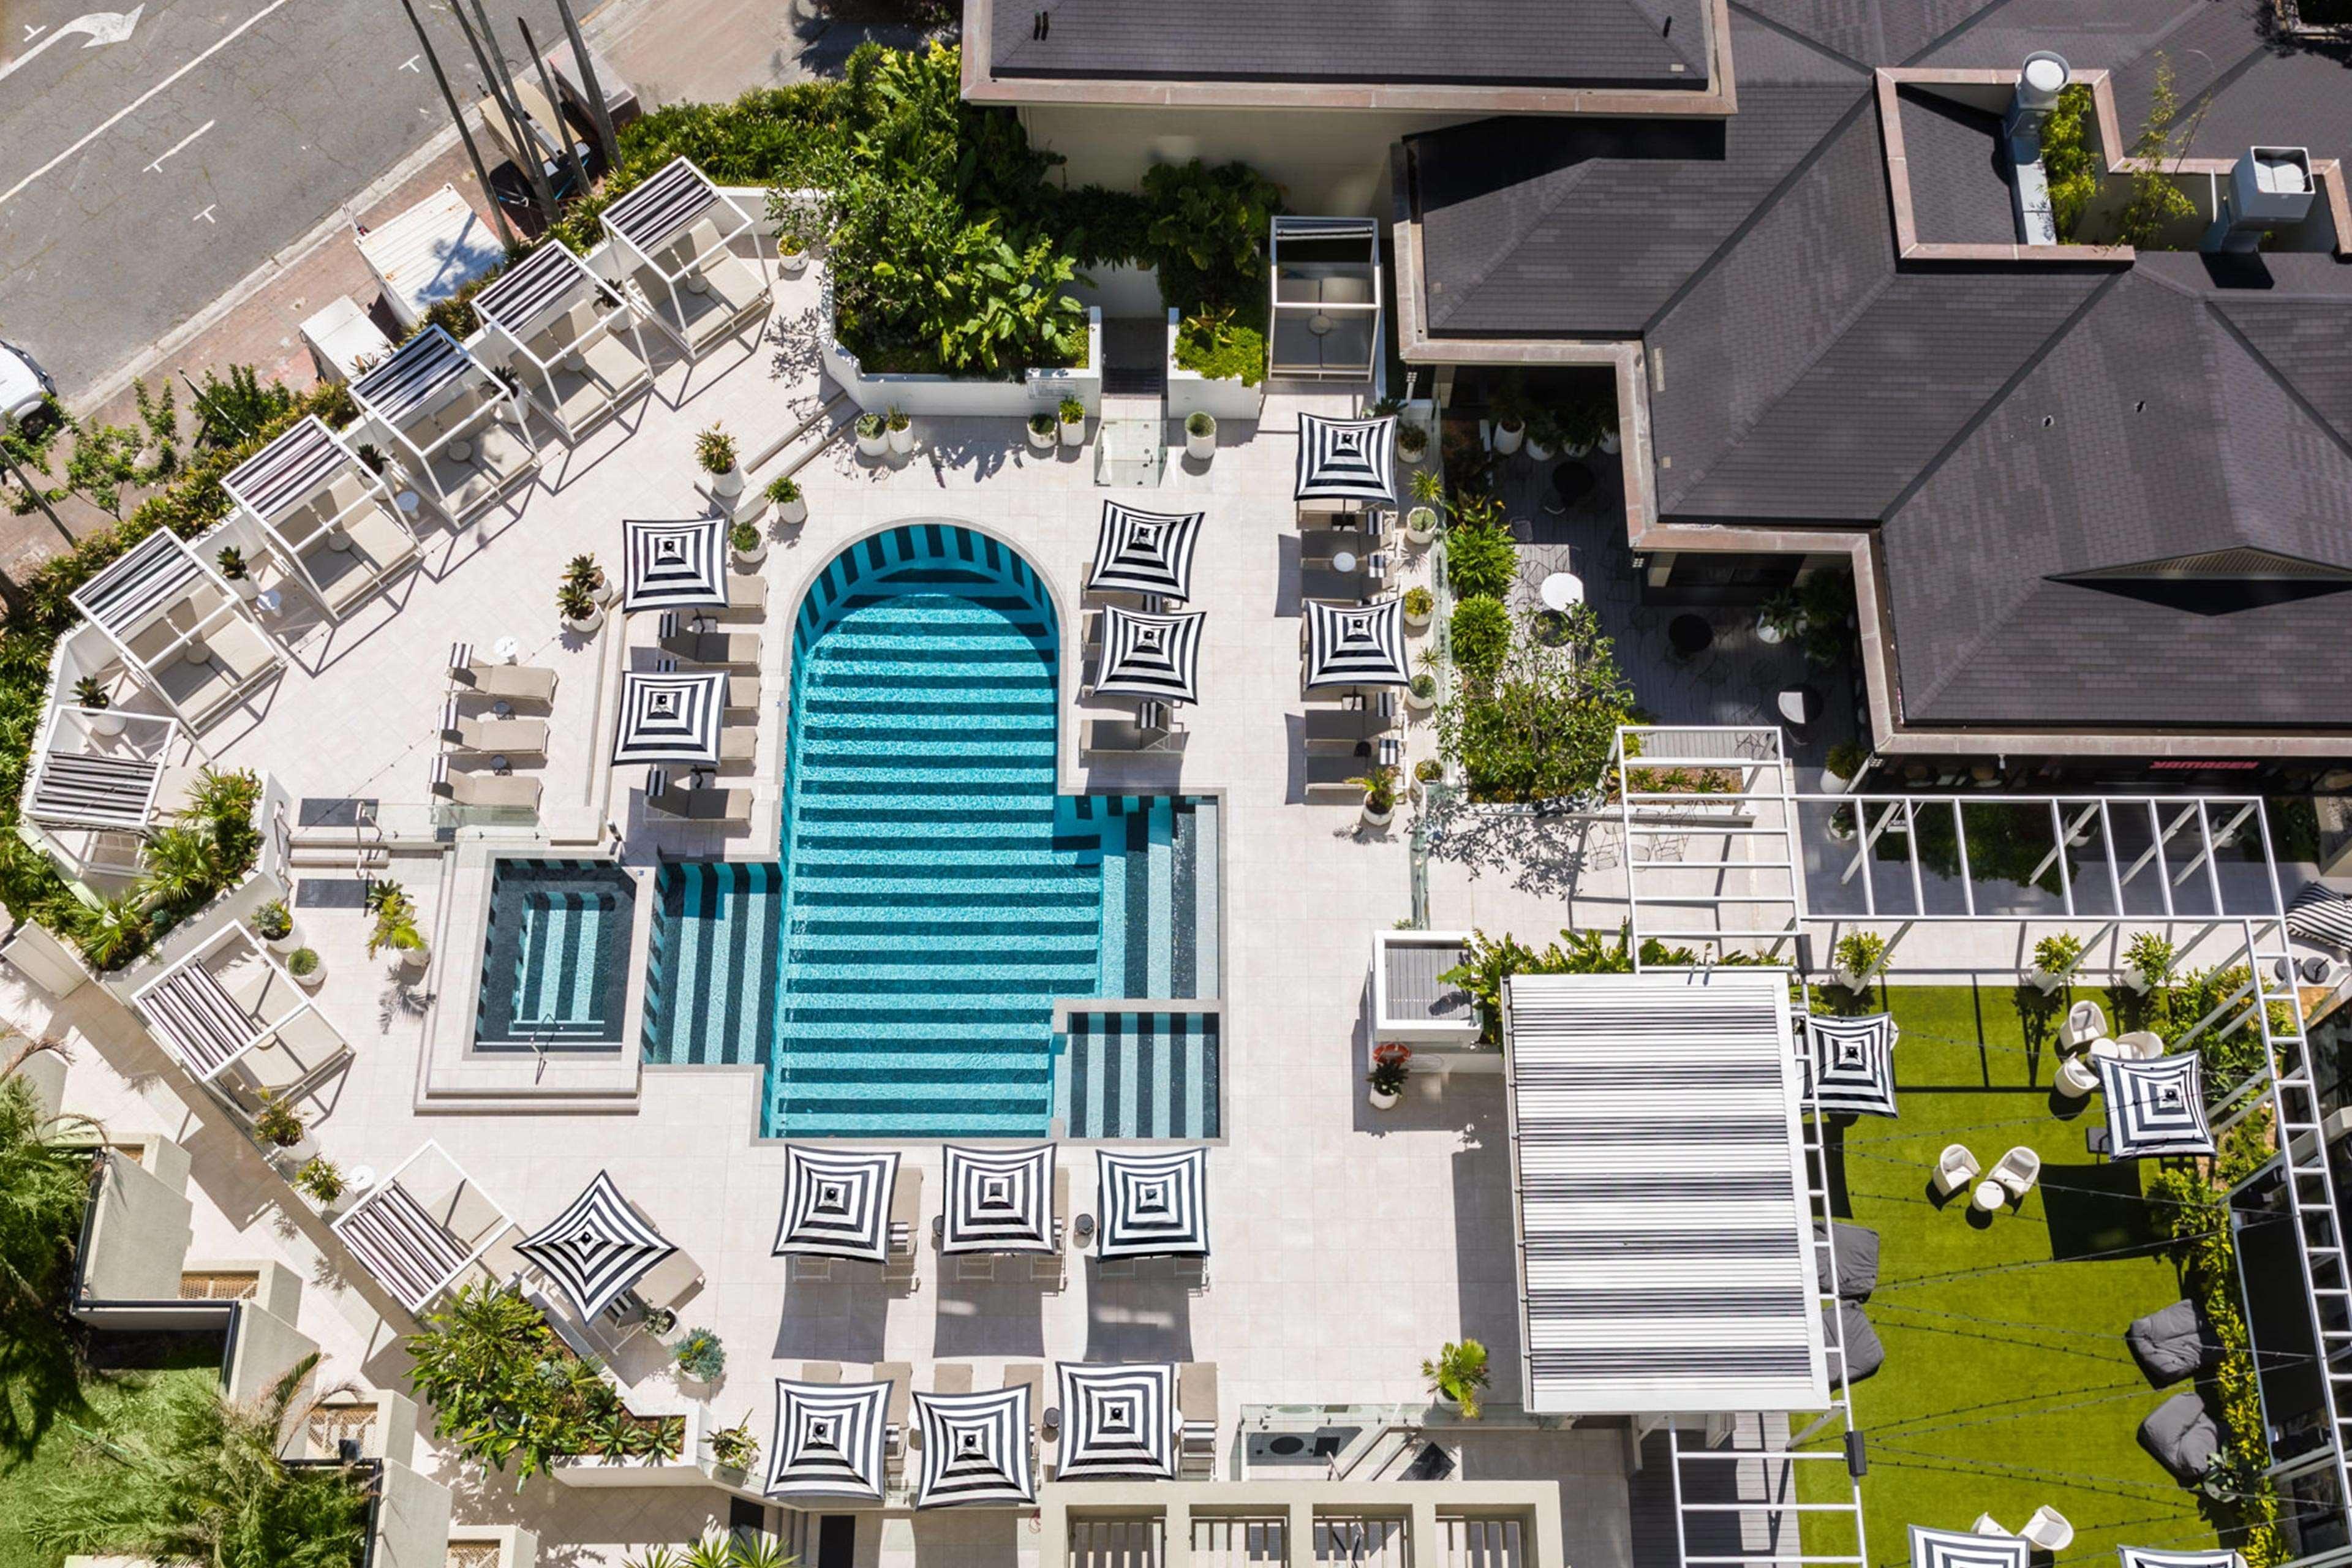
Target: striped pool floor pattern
(1139, 1075)
(710, 997)
(555, 955)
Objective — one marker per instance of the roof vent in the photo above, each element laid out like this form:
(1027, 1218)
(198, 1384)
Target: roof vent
(2045, 76)
(2040, 80)
(2270, 187)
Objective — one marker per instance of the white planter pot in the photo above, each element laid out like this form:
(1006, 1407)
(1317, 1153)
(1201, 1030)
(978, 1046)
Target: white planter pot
(245, 589)
(1201, 447)
(1577, 449)
(282, 945)
(1074, 432)
(902, 439)
(1831, 784)
(588, 624)
(1383, 1101)
(1539, 451)
(1852, 981)
(1767, 634)
(1508, 438)
(313, 981)
(606, 590)
(1609, 443)
(792, 513)
(414, 960)
(872, 445)
(108, 722)
(1416, 454)
(1420, 525)
(2045, 981)
(1378, 818)
(1042, 440)
(793, 263)
(729, 483)
(748, 558)
(2136, 982)
(1415, 703)
(1417, 623)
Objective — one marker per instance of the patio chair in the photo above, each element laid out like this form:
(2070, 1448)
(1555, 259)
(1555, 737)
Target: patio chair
(742, 699)
(905, 1212)
(1954, 1169)
(2143, 1043)
(2047, 1529)
(1196, 1404)
(1987, 1525)
(1131, 737)
(737, 743)
(2076, 1078)
(507, 682)
(2017, 1170)
(733, 650)
(2084, 1023)
(705, 804)
(1845, 1324)
(489, 791)
(2173, 1342)
(486, 735)
(951, 1377)
(1054, 1267)
(1337, 775)
(2181, 1434)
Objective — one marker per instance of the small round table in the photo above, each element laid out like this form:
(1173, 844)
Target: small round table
(1083, 1228)
(506, 649)
(1344, 560)
(461, 451)
(1989, 1197)
(408, 501)
(269, 601)
(1560, 590)
(1689, 635)
(359, 1179)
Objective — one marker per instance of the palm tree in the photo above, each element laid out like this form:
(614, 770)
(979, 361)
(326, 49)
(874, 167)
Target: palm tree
(44, 1183)
(208, 1487)
(109, 931)
(183, 866)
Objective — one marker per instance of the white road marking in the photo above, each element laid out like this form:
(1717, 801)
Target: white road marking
(98, 26)
(208, 217)
(410, 64)
(115, 119)
(181, 145)
(31, 33)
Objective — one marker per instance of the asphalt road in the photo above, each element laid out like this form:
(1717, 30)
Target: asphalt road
(141, 179)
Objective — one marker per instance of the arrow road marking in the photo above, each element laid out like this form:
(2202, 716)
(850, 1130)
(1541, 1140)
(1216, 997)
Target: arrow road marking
(101, 26)
(181, 145)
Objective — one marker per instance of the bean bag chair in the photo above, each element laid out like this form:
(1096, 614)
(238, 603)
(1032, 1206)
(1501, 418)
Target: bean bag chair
(2172, 1343)
(2182, 1437)
(1857, 1261)
(1864, 1353)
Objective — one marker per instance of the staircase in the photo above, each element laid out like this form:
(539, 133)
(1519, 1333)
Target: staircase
(1130, 448)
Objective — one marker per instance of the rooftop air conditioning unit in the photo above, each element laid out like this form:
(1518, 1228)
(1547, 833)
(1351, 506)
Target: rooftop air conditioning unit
(2270, 187)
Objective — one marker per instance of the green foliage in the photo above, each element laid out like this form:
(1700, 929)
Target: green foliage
(1391, 1064)
(43, 1187)
(1847, 759)
(102, 459)
(1428, 487)
(2058, 955)
(1380, 787)
(504, 1388)
(1209, 343)
(241, 407)
(2155, 200)
(734, 1447)
(320, 1178)
(744, 537)
(303, 961)
(273, 921)
(700, 1355)
(1480, 557)
(1200, 423)
(1208, 233)
(783, 490)
(277, 1123)
(714, 450)
(1072, 411)
(1481, 636)
(1861, 952)
(1488, 962)
(1458, 1373)
(2068, 161)
(1419, 601)
(395, 920)
(1545, 726)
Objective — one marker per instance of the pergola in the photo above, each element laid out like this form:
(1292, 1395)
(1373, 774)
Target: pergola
(449, 418)
(328, 518)
(95, 793)
(565, 324)
(238, 1023)
(1326, 298)
(422, 1229)
(681, 229)
(178, 627)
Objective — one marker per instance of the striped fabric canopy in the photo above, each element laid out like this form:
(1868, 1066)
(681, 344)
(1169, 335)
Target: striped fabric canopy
(2147, 1557)
(1119, 1423)
(402, 1245)
(151, 576)
(1966, 1549)
(999, 1200)
(1144, 552)
(1854, 1064)
(828, 1440)
(78, 789)
(289, 470)
(596, 1248)
(1355, 646)
(674, 566)
(518, 296)
(418, 371)
(837, 1205)
(1157, 658)
(975, 1448)
(1153, 1205)
(2320, 913)
(192, 1015)
(669, 717)
(669, 199)
(2155, 1107)
(1347, 459)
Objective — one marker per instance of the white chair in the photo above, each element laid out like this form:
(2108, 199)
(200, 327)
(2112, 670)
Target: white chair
(2048, 1530)
(2076, 1078)
(1987, 1525)
(1954, 1169)
(2141, 1043)
(2084, 1023)
(2018, 1171)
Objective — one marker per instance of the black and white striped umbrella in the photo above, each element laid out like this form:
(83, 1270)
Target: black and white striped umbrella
(1966, 1549)
(2155, 1107)
(1854, 1064)
(837, 1205)
(669, 717)
(2147, 1557)
(596, 1248)
(1347, 459)
(999, 1200)
(1144, 552)
(975, 1448)
(675, 565)
(1153, 1205)
(1153, 657)
(1119, 1423)
(1355, 646)
(828, 1440)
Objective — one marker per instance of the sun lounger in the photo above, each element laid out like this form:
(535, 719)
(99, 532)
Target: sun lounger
(821, 1371)
(1052, 1268)
(1196, 1403)
(488, 790)
(486, 735)
(900, 1376)
(1347, 728)
(507, 682)
(1332, 586)
(1333, 775)
(747, 596)
(905, 1212)
(734, 650)
(951, 1377)
(1127, 737)
(725, 807)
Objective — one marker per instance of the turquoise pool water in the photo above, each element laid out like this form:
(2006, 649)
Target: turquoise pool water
(555, 956)
(937, 896)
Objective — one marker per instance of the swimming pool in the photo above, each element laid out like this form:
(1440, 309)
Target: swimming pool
(555, 956)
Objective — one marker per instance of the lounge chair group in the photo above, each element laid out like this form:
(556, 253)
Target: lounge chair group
(483, 740)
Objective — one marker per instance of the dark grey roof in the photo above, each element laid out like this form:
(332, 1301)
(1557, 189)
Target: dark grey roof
(1960, 172)
(1648, 44)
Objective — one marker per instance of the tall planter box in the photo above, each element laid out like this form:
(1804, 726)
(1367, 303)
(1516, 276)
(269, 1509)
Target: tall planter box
(1221, 399)
(951, 396)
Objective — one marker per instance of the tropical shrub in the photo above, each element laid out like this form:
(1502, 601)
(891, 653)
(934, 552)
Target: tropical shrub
(1210, 343)
(42, 1185)
(2067, 160)
(1481, 636)
(1543, 724)
(700, 1355)
(2150, 956)
(2058, 955)
(1391, 1064)
(504, 1388)
(1488, 962)
(1860, 953)
(1458, 1373)
(1481, 559)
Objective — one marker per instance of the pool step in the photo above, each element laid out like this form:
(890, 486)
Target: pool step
(1140, 1075)
(710, 992)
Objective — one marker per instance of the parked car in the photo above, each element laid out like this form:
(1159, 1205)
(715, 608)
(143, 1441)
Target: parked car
(24, 385)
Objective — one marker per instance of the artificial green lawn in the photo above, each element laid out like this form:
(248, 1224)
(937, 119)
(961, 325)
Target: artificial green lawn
(2007, 1384)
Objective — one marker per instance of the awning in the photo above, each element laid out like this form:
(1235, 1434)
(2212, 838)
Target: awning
(837, 1204)
(1665, 1235)
(1347, 459)
(671, 718)
(525, 291)
(828, 1440)
(418, 371)
(193, 1015)
(151, 576)
(1119, 1423)
(674, 566)
(402, 1248)
(1965, 1549)
(1355, 646)
(1157, 658)
(1153, 1205)
(975, 1448)
(999, 1200)
(286, 472)
(2155, 1107)
(663, 206)
(76, 789)
(1854, 1064)
(1144, 552)
(596, 1248)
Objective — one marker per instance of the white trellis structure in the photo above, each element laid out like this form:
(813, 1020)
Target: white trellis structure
(676, 235)
(178, 629)
(455, 431)
(573, 339)
(325, 517)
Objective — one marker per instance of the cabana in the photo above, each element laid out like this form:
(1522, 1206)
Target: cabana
(676, 234)
(178, 627)
(573, 341)
(423, 1229)
(236, 1023)
(103, 779)
(1326, 298)
(328, 518)
(455, 430)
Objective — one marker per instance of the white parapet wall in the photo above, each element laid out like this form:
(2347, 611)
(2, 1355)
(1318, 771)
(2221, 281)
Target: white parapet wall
(951, 396)
(1221, 399)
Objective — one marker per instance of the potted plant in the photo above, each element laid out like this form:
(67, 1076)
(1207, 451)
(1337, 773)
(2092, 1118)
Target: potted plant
(1844, 765)
(1073, 422)
(396, 926)
(90, 695)
(1604, 427)
(783, 493)
(1421, 693)
(370, 455)
(1457, 1376)
(2148, 960)
(1858, 955)
(1577, 430)
(2055, 958)
(1199, 436)
(714, 454)
(321, 1182)
(791, 255)
(1420, 603)
(1543, 435)
(231, 561)
(660, 1320)
(751, 545)
(1421, 521)
(1380, 794)
(1043, 433)
(1779, 618)
(1429, 770)
(306, 968)
(700, 1357)
(1391, 1063)
(578, 607)
(584, 570)
(899, 430)
(276, 1126)
(1412, 440)
(733, 1450)
(273, 922)
(872, 436)
(1511, 426)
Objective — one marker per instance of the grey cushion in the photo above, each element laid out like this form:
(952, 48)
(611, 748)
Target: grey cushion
(1862, 1349)
(1857, 1261)
(2182, 1436)
(2172, 1343)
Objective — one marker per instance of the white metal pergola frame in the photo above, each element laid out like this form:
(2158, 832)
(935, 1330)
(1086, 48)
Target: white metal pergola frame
(517, 322)
(166, 551)
(99, 837)
(644, 247)
(1304, 230)
(256, 1033)
(503, 405)
(287, 550)
(471, 1254)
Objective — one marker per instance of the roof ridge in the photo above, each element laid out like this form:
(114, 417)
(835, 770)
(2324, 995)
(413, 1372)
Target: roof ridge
(1838, 56)
(2269, 367)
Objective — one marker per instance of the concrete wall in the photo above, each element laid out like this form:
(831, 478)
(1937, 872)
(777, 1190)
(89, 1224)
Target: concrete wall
(1189, 392)
(138, 1236)
(412, 1522)
(1328, 162)
(265, 1348)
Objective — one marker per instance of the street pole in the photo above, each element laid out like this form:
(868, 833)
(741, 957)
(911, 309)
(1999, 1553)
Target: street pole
(34, 490)
(596, 111)
(498, 210)
(525, 150)
(546, 85)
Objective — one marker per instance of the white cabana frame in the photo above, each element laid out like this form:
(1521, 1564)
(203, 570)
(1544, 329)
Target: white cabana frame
(563, 327)
(1327, 299)
(459, 433)
(679, 230)
(236, 1022)
(101, 779)
(422, 1230)
(178, 627)
(326, 518)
